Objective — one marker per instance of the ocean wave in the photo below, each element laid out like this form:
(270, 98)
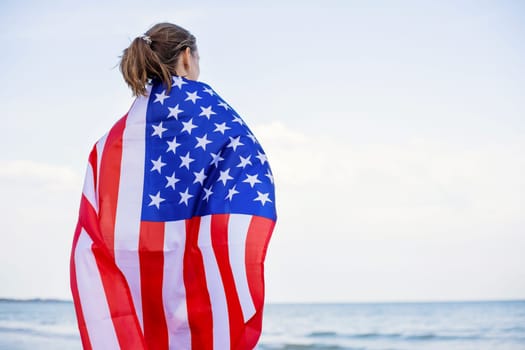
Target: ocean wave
(292, 346)
(322, 334)
(374, 335)
(371, 335)
(41, 330)
(400, 336)
(35, 300)
(514, 329)
(440, 337)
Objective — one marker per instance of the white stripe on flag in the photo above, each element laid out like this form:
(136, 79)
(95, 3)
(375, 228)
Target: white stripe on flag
(89, 187)
(100, 150)
(219, 306)
(127, 220)
(92, 296)
(173, 290)
(239, 224)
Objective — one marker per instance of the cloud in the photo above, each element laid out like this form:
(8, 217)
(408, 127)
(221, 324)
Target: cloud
(418, 220)
(36, 174)
(39, 205)
(409, 187)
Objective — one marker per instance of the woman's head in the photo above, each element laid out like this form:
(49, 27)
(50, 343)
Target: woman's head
(163, 51)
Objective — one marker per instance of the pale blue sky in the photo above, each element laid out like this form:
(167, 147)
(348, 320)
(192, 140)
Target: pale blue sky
(395, 130)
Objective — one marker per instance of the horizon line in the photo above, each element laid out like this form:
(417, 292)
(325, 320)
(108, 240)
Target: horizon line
(336, 302)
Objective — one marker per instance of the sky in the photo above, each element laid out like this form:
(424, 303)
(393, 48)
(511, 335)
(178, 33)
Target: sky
(395, 131)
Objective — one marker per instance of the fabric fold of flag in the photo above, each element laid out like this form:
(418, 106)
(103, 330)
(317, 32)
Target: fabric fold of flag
(176, 215)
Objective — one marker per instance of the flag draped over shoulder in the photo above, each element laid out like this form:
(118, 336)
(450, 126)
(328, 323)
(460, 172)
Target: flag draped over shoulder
(176, 214)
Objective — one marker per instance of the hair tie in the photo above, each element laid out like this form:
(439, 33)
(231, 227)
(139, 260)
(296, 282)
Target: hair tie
(146, 38)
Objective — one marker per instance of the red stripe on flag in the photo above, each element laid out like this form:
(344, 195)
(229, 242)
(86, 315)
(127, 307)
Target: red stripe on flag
(123, 315)
(88, 220)
(219, 236)
(197, 296)
(93, 162)
(118, 295)
(84, 336)
(109, 183)
(257, 241)
(151, 255)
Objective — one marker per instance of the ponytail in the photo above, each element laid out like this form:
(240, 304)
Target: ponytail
(154, 56)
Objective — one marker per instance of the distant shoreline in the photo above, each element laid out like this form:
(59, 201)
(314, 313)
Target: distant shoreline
(70, 301)
(35, 300)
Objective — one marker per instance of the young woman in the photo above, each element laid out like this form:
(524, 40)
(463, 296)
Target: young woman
(177, 211)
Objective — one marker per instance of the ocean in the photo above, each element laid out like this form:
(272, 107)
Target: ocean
(41, 324)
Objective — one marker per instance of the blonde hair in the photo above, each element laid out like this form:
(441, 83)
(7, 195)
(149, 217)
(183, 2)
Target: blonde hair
(154, 55)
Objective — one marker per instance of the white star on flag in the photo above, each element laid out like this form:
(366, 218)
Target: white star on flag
(269, 175)
(192, 96)
(207, 112)
(244, 162)
(216, 158)
(158, 130)
(221, 127)
(263, 198)
(188, 126)
(156, 200)
(199, 177)
(235, 142)
(252, 179)
(202, 142)
(184, 196)
(178, 82)
(237, 119)
(224, 105)
(172, 145)
(161, 97)
(185, 161)
(231, 192)
(209, 192)
(210, 91)
(250, 135)
(225, 176)
(262, 157)
(174, 112)
(172, 180)
(157, 164)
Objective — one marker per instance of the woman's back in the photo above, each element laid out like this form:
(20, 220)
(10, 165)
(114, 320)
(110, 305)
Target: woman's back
(176, 215)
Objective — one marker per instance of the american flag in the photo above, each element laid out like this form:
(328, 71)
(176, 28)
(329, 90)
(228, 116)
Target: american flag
(176, 214)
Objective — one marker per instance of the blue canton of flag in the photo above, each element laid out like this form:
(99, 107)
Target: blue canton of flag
(201, 158)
